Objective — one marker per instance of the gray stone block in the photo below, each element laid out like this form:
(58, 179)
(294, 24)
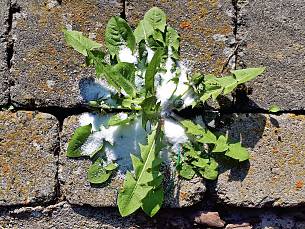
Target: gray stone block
(4, 85)
(65, 216)
(28, 167)
(205, 27)
(77, 190)
(47, 72)
(274, 176)
(272, 35)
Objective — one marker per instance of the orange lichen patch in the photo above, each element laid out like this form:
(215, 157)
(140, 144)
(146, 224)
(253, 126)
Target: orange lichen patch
(5, 168)
(299, 184)
(274, 150)
(185, 25)
(297, 117)
(183, 196)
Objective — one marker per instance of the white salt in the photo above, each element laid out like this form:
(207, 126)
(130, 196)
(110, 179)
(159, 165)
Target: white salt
(174, 132)
(125, 55)
(150, 54)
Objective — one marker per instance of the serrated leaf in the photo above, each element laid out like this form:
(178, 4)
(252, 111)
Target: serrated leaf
(208, 137)
(236, 151)
(118, 34)
(143, 31)
(192, 128)
(153, 201)
(79, 42)
(131, 196)
(221, 144)
(187, 171)
(151, 71)
(172, 38)
(150, 110)
(117, 119)
(274, 108)
(79, 137)
(244, 75)
(156, 18)
(97, 174)
(135, 190)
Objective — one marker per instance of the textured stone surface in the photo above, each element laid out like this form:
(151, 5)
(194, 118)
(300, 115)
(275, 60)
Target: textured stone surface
(205, 27)
(65, 216)
(77, 190)
(275, 175)
(46, 72)
(273, 36)
(28, 142)
(4, 15)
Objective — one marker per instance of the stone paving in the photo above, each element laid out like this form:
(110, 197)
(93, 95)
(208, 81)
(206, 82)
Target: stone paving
(41, 188)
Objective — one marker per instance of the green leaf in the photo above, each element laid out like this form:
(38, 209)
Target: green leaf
(194, 129)
(134, 190)
(208, 137)
(201, 163)
(130, 103)
(229, 83)
(143, 31)
(156, 18)
(172, 38)
(221, 144)
(150, 109)
(244, 75)
(153, 201)
(210, 172)
(118, 34)
(187, 171)
(151, 71)
(236, 151)
(211, 91)
(117, 119)
(96, 58)
(127, 70)
(79, 137)
(79, 42)
(111, 166)
(97, 174)
(131, 196)
(274, 108)
(117, 80)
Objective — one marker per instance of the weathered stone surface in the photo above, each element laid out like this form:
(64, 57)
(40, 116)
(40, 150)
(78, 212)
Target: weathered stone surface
(65, 216)
(4, 15)
(77, 190)
(46, 72)
(28, 143)
(275, 175)
(205, 27)
(272, 35)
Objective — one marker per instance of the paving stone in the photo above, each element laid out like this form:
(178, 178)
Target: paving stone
(65, 216)
(275, 175)
(206, 29)
(273, 36)
(46, 72)
(77, 190)
(4, 15)
(28, 167)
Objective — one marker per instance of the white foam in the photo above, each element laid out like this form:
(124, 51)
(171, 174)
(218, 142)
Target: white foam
(125, 139)
(150, 54)
(125, 55)
(174, 132)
